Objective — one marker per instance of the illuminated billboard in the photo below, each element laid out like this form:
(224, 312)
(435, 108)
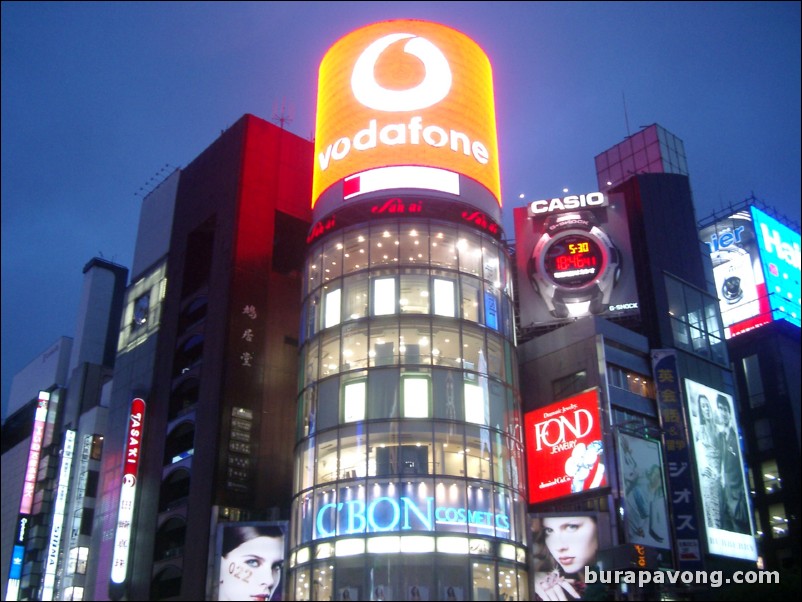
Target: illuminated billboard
(574, 259)
(251, 560)
(125, 518)
(779, 250)
(643, 491)
(564, 448)
(756, 262)
(720, 470)
(405, 104)
(564, 547)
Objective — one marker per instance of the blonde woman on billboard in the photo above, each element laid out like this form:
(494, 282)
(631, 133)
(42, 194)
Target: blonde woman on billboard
(250, 568)
(570, 543)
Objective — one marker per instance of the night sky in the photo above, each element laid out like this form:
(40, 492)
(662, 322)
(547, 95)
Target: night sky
(101, 100)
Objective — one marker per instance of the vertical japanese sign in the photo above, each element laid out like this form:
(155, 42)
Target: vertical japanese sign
(122, 536)
(680, 479)
(26, 503)
(60, 505)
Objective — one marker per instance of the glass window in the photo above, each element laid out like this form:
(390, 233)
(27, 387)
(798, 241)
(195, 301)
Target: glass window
(763, 434)
(384, 296)
(415, 343)
(328, 404)
(449, 450)
(447, 397)
(355, 251)
(353, 452)
(306, 465)
(471, 298)
(415, 391)
(313, 268)
(354, 401)
(382, 438)
(355, 346)
(383, 343)
(476, 403)
(444, 297)
(443, 242)
(384, 245)
(473, 351)
(356, 297)
(771, 477)
(327, 457)
(495, 357)
(446, 348)
(414, 247)
(778, 521)
(330, 353)
(332, 307)
(491, 267)
(754, 381)
(332, 259)
(484, 581)
(491, 315)
(383, 397)
(469, 246)
(311, 362)
(414, 298)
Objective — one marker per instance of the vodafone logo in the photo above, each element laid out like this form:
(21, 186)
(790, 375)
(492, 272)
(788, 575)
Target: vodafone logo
(435, 86)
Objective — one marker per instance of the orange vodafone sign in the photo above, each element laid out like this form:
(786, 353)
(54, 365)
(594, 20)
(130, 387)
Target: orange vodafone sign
(405, 93)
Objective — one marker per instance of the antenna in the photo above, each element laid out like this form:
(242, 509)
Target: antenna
(626, 117)
(283, 116)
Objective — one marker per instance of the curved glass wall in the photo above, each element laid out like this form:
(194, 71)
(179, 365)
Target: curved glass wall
(409, 462)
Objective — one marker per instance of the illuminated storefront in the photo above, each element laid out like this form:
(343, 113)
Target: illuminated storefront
(409, 463)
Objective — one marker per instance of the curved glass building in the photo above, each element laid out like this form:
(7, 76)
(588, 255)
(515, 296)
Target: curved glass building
(409, 476)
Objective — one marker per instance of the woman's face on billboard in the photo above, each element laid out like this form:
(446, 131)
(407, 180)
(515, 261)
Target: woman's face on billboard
(252, 571)
(572, 541)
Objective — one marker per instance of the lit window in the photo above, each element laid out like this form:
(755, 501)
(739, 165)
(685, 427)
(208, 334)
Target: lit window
(771, 477)
(354, 401)
(416, 396)
(384, 296)
(332, 308)
(475, 404)
(444, 298)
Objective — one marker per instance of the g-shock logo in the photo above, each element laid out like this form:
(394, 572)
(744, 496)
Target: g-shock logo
(592, 199)
(433, 88)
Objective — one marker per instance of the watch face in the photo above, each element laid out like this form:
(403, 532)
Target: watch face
(573, 260)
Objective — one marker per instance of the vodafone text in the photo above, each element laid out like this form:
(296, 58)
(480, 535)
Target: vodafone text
(712, 578)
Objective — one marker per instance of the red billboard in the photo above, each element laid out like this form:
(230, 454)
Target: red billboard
(564, 448)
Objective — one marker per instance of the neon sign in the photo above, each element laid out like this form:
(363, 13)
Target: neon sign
(125, 517)
(385, 513)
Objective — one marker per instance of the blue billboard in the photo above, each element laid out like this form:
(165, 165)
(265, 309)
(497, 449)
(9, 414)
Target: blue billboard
(780, 259)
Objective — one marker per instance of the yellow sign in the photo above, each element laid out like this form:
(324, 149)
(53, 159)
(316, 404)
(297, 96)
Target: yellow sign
(405, 93)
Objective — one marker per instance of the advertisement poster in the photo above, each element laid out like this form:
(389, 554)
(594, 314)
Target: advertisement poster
(574, 259)
(739, 278)
(643, 491)
(251, 563)
(564, 447)
(564, 544)
(720, 469)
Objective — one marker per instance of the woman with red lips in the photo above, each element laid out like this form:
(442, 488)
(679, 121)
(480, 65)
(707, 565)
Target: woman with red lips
(250, 568)
(572, 543)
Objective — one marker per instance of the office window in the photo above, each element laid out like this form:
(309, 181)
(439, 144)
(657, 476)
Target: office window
(383, 296)
(415, 391)
(354, 401)
(444, 297)
(332, 308)
(771, 477)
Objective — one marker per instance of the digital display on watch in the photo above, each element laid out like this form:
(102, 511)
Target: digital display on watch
(574, 260)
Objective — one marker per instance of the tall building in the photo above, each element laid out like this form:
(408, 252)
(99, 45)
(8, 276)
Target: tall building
(756, 258)
(214, 416)
(409, 477)
(623, 343)
(58, 438)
